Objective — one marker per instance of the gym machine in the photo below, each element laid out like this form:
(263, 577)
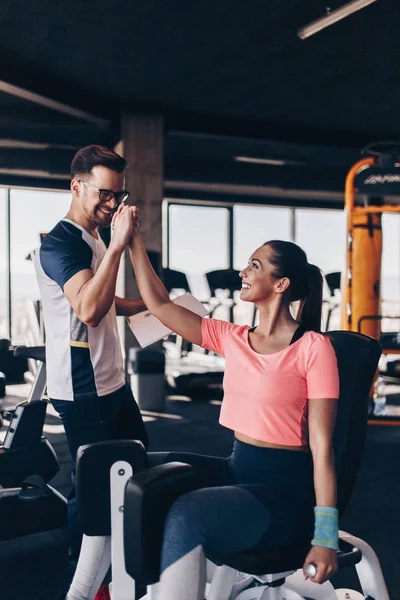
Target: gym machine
(372, 189)
(28, 462)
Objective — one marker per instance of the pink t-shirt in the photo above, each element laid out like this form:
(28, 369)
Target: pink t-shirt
(266, 395)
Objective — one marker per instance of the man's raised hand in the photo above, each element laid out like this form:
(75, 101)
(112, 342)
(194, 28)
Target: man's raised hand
(122, 225)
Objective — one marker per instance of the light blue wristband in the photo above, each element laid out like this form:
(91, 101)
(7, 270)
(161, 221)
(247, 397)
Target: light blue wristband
(326, 530)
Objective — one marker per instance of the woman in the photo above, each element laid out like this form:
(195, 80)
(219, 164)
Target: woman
(280, 391)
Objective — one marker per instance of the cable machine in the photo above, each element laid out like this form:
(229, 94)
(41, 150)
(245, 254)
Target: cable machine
(372, 189)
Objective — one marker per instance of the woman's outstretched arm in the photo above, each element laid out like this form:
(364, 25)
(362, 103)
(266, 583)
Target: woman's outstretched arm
(182, 321)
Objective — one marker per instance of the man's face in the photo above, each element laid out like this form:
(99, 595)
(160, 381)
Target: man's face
(97, 211)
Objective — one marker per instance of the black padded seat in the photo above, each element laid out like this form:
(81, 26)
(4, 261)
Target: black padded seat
(279, 560)
(390, 340)
(224, 279)
(260, 562)
(35, 352)
(175, 280)
(93, 464)
(148, 498)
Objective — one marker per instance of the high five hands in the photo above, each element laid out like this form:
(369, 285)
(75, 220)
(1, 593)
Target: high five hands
(124, 223)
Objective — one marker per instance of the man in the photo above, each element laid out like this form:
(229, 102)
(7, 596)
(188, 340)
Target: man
(77, 277)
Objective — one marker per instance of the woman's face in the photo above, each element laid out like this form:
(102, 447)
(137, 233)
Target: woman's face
(258, 283)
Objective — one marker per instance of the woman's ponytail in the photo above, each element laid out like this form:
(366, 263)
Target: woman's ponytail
(306, 281)
(310, 310)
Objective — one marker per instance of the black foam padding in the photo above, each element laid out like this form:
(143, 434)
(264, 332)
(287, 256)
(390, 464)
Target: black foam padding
(148, 498)
(29, 428)
(3, 381)
(279, 560)
(93, 464)
(262, 562)
(348, 555)
(20, 518)
(35, 352)
(17, 464)
(358, 356)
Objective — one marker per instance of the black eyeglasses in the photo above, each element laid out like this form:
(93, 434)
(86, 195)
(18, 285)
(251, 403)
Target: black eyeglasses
(107, 195)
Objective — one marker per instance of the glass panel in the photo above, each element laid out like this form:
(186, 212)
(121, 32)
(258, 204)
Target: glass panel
(3, 264)
(322, 235)
(390, 280)
(254, 225)
(32, 213)
(198, 243)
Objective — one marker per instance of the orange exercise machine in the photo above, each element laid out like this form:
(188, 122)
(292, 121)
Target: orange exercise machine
(372, 188)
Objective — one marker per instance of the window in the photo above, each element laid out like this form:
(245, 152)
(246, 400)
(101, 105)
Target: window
(390, 278)
(198, 243)
(3, 265)
(32, 213)
(322, 235)
(254, 225)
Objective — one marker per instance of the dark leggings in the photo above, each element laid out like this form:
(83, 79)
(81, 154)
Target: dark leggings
(255, 498)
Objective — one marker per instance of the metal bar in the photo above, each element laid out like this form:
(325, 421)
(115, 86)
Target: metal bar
(46, 102)
(123, 586)
(293, 225)
(230, 258)
(231, 236)
(8, 264)
(39, 385)
(386, 208)
(166, 233)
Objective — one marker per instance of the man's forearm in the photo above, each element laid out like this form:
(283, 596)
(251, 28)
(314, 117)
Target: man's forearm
(127, 308)
(98, 294)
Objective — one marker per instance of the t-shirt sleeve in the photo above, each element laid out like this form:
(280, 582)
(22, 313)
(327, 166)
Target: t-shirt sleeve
(322, 370)
(61, 260)
(213, 332)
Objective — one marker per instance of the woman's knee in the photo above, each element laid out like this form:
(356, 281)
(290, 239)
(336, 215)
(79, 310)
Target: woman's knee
(184, 530)
(185, 513)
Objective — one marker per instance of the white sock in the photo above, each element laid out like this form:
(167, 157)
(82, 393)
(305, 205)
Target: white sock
(94, 562)
(185, 579)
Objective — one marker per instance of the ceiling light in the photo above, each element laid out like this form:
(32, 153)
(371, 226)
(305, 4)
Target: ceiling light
(333, 17)
(260, 161)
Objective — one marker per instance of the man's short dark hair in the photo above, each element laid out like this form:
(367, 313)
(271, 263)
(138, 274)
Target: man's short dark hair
(93, 156)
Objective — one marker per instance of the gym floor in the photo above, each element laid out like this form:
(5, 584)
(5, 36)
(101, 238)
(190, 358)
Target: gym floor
(33, 568)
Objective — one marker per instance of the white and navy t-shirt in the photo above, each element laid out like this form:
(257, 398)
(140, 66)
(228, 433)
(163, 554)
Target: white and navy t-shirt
(80, 360)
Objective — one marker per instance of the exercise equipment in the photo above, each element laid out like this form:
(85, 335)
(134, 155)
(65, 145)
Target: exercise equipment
(3, 381)
(372, 189)
(12, 366)
(28, 462)
(333, 283)
(139, 504)
(192, 373)
(224, 280)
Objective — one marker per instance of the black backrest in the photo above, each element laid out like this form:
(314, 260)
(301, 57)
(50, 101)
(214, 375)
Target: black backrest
(224, 279)
(175, 280)
(93, 464)
(333, 281)
(358, 357)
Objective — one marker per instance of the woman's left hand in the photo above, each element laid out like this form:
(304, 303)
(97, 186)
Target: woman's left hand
(325, 560)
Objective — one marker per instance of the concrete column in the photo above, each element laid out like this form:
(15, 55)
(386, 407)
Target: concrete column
(142, 146)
